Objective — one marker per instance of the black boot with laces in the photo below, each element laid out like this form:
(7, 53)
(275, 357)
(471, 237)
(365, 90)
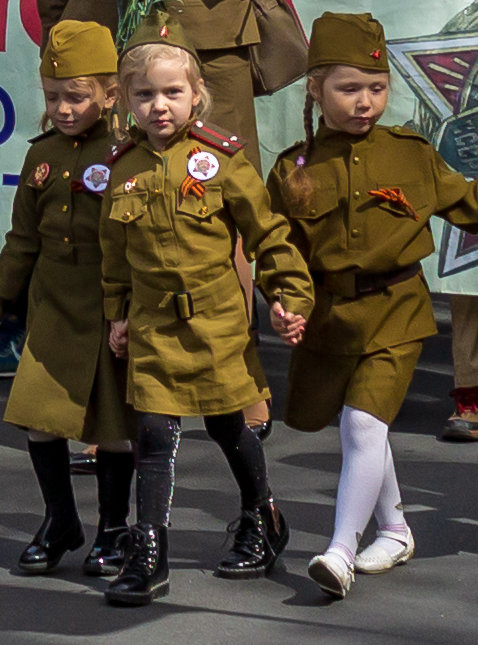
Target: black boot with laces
(260, 537)
(145, 574)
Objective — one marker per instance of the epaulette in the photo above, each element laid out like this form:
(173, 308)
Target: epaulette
(117, 150)
(43, 135)
(297, 146)
(401, 131)
(216, 137)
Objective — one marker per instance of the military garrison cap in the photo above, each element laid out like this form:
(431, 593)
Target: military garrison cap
(78, 49)
(159, 28)
(355, 39)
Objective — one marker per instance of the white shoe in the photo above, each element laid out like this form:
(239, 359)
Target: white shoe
(330, 577)
(374, 559)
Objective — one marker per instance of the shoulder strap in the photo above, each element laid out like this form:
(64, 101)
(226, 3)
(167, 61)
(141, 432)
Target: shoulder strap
(217, 137)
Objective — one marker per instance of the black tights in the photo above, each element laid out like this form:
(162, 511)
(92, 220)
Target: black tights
(158, 442)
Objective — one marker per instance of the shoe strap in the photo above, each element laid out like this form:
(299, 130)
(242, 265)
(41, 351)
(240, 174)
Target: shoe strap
(340, 553)
(398, 537)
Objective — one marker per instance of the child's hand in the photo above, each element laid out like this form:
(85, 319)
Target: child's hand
(118, 340)
(289, 326)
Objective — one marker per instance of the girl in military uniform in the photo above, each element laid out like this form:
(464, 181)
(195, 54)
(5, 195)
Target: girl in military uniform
(177, 195)
(68, 384)
(359, 198)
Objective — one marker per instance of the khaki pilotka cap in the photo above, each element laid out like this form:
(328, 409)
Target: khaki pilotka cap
(355, 39)
(79, 49)
(159, 28)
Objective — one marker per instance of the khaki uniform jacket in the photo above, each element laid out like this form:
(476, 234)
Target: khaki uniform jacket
(67, 379)
(346, 230)
(157, 244)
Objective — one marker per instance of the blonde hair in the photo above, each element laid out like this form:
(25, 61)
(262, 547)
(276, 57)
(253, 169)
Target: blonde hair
(105, 81)
(141, 58)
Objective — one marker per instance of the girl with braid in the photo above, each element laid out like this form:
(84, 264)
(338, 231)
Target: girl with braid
(359, 197)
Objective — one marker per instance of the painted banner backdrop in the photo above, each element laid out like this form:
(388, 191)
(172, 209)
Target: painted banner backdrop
(433, 48)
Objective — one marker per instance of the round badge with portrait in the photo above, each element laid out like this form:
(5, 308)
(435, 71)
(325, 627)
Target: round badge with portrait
(203, 166)
(95, 178)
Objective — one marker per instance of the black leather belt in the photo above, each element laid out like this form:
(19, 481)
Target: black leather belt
(353, 285)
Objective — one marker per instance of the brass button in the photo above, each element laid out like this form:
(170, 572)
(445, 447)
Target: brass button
(75, 144)
(126, 215)
(356, 160)
(204, 210)
(313, 211)
(356, 194)
(64, 208)
(397, 128)
(66, 240)
(66, 174)
(355, 232)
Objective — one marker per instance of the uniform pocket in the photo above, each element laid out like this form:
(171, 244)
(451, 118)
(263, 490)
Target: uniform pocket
(201, 207)
(322, 202)
(414, 194)
(129, 207)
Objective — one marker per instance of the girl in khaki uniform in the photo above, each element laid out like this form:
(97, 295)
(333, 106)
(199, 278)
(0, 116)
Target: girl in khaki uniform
(168, 231)
(68, 384)
(359, 197)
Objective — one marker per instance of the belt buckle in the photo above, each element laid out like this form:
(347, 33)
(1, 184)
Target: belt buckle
(183, 303)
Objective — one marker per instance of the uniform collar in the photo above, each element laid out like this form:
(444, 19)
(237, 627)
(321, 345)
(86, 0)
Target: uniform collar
(179, 135)
(328, 135)
(98, 129)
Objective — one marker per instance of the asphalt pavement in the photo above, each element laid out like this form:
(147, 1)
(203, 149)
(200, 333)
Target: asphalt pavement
(432, 600)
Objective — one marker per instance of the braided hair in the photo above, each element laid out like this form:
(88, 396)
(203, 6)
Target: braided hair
(298, 184)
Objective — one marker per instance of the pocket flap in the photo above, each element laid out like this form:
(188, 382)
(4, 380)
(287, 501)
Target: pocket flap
(202, 207)
(128, 207)
(322, 202)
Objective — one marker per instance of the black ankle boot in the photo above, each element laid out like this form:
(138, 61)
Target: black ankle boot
(145, 574)
(259, 539)
(114, 471)
(61, 529)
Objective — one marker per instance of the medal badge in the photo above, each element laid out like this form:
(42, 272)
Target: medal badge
(203, 166)
(95, 178)
(40, 174)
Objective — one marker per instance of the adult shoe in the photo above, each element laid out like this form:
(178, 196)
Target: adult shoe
(462, 426)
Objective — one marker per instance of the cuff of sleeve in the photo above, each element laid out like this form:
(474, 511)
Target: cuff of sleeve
(302, 306)
(116, 308)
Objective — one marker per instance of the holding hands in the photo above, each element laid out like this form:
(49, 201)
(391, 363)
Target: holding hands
(118, 339)
(289, 326)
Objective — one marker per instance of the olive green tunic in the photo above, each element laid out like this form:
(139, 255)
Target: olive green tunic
(347, 231)
(67, 380)
(157, 244)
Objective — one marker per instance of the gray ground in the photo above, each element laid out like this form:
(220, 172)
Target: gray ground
(431, 600)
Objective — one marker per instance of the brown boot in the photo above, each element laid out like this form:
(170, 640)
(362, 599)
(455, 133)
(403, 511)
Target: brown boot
(463, 423)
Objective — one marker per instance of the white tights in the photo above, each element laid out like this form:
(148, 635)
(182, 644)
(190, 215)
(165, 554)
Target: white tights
(368, 483)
